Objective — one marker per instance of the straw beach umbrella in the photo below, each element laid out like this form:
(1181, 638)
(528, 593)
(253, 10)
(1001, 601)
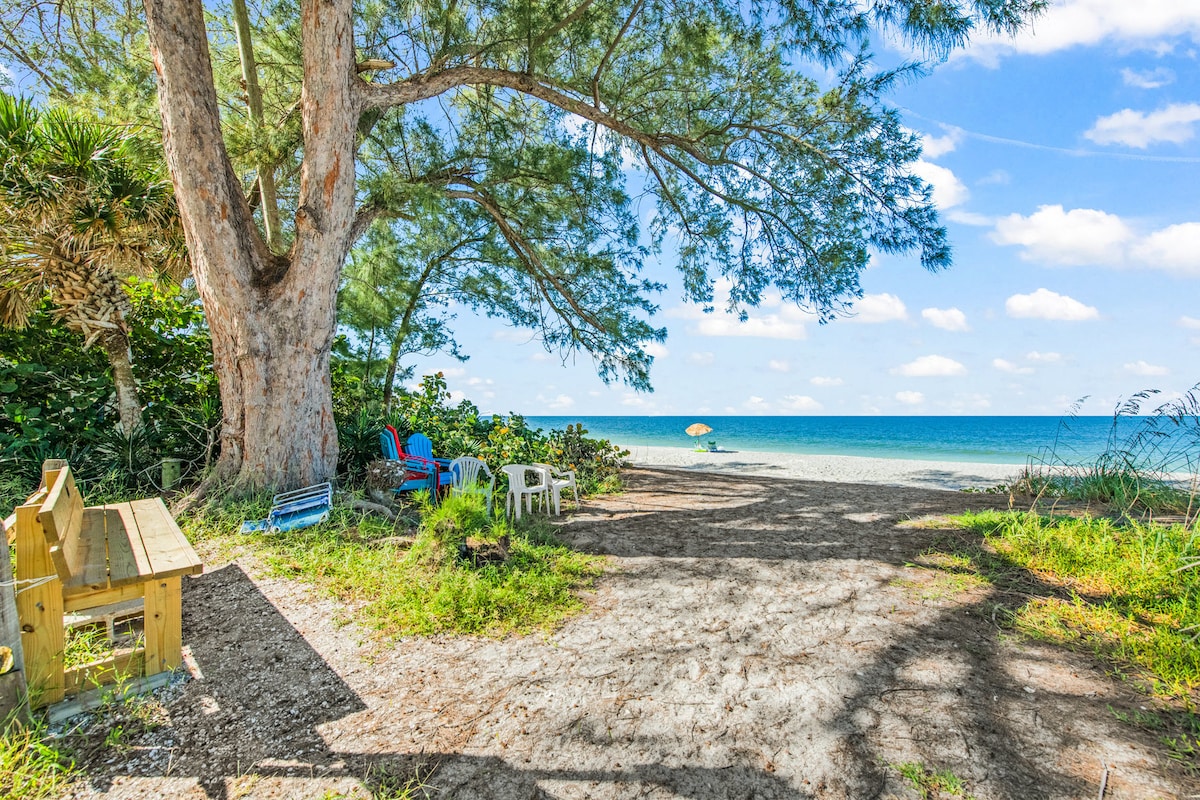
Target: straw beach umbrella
(698, 429)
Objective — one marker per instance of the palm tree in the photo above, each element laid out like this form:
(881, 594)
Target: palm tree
(82, 205)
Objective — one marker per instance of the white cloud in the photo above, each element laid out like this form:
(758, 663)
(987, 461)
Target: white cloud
(558, 403)
(1078, 236)
(1174, 123)
(1175, 249)
(819, 380)
(910, 398)
(1044, 358)
(655, 349)
(1007, 366)
(800, 402)
(948, 190)
(766, 327)
(756, 404)
(1085, 236)
(519, 335)
(449, 372)
(948, 319)
(996, 177)
(701, 359)
(480, 381)
(635, 400)
(787, 324)
(1045, 304)
(1146, 370)
(539, 356)
(779, 365)
(1147, 78)
(1074, 23)
(455, 397)
(874, 308)
(970, 218)
(1189, 322)
(938, 146)
(930, 367)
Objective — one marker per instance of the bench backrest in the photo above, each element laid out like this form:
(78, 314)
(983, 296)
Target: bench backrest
(61, 517)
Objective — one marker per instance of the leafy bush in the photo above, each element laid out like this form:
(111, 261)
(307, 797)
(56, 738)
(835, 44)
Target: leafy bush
(459, 430)
(59, 401)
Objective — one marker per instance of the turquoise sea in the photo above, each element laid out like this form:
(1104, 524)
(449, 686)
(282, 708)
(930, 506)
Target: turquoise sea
(996, 440)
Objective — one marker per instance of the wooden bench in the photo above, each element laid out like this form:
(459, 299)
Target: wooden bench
(95, 561)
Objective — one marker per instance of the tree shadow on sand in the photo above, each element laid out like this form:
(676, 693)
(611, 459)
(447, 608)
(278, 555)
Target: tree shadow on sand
(847, 662)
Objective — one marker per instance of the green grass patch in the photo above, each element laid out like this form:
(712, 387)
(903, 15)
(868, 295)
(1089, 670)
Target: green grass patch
(931, 784)
(954, 574)
(1177, 729)
(1130, 592)
(30, 765)
(404, 581)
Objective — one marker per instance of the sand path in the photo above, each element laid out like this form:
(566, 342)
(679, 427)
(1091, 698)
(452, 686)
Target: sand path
(755, 639)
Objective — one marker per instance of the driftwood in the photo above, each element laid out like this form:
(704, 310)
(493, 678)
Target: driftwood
(368, 507)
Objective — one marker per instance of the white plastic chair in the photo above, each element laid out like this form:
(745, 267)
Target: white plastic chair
(518, 489)
(559, 480)
(466, 471)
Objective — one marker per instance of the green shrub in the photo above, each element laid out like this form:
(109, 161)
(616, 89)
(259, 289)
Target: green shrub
(459, 430)
(59, 402)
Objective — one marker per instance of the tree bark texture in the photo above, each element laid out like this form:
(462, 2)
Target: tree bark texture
(272, 317)
(129, 405)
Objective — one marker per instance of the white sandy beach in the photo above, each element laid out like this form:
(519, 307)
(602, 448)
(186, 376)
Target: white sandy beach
(950, 475)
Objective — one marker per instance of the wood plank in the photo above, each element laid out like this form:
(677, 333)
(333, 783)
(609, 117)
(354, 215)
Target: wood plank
(87, 560)
(12, 683)
(89, 599)
(169, 551)
(163, 624)
(128, 561)
(10, 626)
(40, 609)
(122, 666)
(88, 701)
(61, 511)
(14, 702)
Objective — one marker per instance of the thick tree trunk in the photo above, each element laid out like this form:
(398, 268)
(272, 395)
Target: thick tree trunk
(272, 318)
(116, 345)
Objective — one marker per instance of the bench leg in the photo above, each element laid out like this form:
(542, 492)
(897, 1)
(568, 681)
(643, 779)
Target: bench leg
(164, 625)
(40, 610)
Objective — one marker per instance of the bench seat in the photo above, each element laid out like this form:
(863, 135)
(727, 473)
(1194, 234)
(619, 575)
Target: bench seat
(126, 543)
(78, 558)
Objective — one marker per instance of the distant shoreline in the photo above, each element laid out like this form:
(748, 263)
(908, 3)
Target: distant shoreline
(948, 475)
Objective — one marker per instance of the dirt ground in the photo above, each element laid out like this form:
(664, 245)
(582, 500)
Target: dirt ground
(754, 638)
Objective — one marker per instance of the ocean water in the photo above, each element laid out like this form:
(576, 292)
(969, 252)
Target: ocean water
(995, 440)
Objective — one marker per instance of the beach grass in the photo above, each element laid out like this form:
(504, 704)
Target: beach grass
(1129, 592)
(407, 577)
(1151, 465)
(31, 764)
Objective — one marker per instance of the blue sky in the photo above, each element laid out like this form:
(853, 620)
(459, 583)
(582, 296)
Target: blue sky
(1066, 164)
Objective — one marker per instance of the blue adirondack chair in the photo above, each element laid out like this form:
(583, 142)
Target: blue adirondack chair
(419, 445)
(419, 473)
